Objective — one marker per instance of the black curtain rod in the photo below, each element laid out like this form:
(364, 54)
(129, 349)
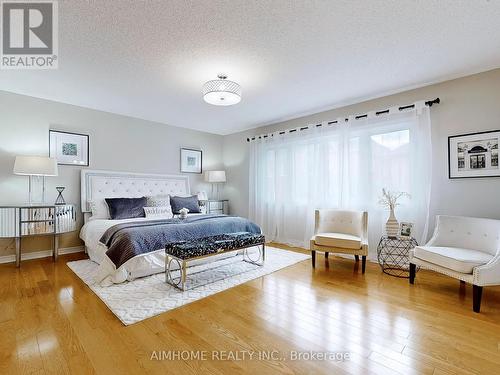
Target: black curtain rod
(428, 103)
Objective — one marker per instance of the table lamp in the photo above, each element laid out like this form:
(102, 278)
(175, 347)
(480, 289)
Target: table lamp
(37, 168)
(215, 178)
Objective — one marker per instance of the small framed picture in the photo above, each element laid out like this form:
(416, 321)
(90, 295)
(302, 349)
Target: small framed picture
(191, 161)
(473, 155)
(405, 229)
(69, 148)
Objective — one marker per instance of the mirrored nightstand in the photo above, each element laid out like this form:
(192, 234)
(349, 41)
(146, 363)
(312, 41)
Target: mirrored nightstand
(19, 221)
(217, 206)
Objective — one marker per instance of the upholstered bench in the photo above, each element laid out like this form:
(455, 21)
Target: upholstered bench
(179, 253)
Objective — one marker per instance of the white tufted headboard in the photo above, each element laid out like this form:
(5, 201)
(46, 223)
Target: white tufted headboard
(97, 184)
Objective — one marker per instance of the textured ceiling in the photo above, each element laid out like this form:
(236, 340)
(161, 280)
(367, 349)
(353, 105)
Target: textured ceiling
(149, 59)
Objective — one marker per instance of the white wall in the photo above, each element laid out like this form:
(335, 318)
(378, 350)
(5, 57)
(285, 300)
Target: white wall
(468, 105)
(122, 143)
(116, 143)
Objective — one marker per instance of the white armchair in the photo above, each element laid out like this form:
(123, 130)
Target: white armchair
(465, 248)
(340, 231)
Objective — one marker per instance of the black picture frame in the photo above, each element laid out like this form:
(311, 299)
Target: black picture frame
(87, 161)
(450, 138)
(183, 167)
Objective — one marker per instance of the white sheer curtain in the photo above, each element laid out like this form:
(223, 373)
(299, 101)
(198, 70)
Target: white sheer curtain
(342, 166)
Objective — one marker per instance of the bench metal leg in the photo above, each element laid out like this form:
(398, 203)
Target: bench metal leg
(183, 275)
(180, 282)
(260, 260)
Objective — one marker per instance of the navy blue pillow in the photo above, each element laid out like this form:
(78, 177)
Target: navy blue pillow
(191, 203)
(126, 208)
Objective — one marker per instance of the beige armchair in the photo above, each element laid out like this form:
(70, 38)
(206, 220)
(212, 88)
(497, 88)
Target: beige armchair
(465, 248)
(340, 231)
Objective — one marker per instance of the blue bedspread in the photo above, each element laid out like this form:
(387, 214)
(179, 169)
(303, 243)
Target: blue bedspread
(127, 240)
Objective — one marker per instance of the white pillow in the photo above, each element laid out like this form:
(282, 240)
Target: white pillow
(158, 212)
(99, 209)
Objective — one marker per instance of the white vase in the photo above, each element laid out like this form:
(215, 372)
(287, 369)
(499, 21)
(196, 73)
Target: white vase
(392, 225)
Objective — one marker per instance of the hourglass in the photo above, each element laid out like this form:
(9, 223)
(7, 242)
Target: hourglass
(60, 198)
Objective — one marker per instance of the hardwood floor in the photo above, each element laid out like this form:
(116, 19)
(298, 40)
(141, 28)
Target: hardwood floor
(50, 322)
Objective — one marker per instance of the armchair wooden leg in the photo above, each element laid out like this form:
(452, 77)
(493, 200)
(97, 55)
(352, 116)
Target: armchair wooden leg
(363, 263)
(356, 257)
(326, 255)
(477, 293)
(413, 271)
(313, 254)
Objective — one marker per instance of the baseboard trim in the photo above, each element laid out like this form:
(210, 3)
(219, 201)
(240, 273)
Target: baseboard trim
(41, 254)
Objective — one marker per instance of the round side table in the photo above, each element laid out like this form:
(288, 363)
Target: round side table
(393, 255)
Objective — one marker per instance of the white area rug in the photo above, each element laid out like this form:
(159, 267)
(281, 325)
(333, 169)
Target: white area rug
(143, 298)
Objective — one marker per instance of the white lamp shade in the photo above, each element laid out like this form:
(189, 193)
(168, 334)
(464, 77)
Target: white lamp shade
(35, 166)
(215, 176)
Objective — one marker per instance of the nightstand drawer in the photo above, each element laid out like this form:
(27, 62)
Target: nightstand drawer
(215, 206)
(218, 207)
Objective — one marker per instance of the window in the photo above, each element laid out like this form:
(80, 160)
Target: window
(344, 166)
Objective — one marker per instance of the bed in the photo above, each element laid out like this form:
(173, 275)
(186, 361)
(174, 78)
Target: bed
(149, 256)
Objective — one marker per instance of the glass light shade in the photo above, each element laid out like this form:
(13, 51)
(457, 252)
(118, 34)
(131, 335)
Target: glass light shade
(222, 92)
(35, 166)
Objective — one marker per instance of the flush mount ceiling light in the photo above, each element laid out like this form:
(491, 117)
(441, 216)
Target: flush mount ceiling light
(221, 91)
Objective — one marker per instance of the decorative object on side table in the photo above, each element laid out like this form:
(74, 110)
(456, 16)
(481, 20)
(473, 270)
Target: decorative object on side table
(216, 178)
(20, 221)
(60, 199)
(37, 168)
(183, 213)
(473, 155)
(69, 148)
(390, 200)
(191, 161)
(393, 255)
(202, 201)
(405, 229)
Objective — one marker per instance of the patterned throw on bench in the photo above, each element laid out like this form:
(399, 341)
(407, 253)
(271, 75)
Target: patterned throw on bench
(213, 244)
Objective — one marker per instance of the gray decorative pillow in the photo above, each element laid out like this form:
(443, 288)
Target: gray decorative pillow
(158, 200)
(126, 208)
(191, 203)
(99, 209)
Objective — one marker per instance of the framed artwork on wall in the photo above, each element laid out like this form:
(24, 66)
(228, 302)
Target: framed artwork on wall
(191, 161)
(473, 155)
(69, 148)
